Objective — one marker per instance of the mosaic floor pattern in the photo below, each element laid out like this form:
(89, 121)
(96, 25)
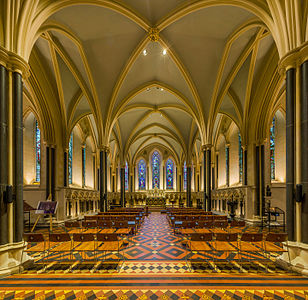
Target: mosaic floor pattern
(154, 268)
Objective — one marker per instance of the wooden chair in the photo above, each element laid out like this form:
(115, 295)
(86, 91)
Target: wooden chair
(273, 244)
(34, 243)
(122, 227)
(105, 226)
(83, 243)
(89, 226)
(220, 226)
(59, 243)
(187, 227)
(220, 218)
(251, 247)
(237, 226)
(200, 242)
(72, 226)
(108, 243)
(226, 243)
(204, 226)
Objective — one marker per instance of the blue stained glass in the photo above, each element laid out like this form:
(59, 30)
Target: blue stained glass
(272, 148)
(70, 160)
(126, 176)
(169, 174)
(185, 176)
(141, 174)
(83, 166)
(240, 157)
(37, 152)
(155, 169)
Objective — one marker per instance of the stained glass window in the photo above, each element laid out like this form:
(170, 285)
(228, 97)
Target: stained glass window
(240, 157)
(155, 169)
(169, 174)
(126, 176)
(84, 166)
(141, 174)
(37, 152)
(185, 176)
(70, 160)
(272, 148)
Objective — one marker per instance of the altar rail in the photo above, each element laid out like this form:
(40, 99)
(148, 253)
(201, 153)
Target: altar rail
(239, 195)
(171, 198)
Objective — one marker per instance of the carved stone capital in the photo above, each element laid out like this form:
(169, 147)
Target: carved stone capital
(293, 59)
(14, 62)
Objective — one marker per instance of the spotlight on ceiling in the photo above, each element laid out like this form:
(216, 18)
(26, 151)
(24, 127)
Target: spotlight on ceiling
(145, 52)
(164, 51)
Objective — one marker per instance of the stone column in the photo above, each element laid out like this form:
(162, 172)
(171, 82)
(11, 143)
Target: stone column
(83, 166)
(18, 157)
(208, 177)
(3, 154)
(227, 165)
(257, 202)
(103, 205)
(65, 168)
(53, 173)
(304, 148)
(48, 170)
(188, 186)
(204, 179)
(244, 165)
(122, 191)
(290, 155)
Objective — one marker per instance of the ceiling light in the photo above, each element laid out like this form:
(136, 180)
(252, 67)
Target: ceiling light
(164, 52)
(145, 52)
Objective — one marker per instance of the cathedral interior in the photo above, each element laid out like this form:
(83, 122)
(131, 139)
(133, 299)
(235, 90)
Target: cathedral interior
(156, 151)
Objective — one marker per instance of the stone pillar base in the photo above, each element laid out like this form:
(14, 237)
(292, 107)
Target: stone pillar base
(298, 257)
(10, 258)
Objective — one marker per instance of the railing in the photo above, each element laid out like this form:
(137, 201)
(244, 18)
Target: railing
(139, 198)
(80, 201)
(220, 198)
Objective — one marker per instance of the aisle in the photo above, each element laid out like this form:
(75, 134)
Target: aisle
(155, 241)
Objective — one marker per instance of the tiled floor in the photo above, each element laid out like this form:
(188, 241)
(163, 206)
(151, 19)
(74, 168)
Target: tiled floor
(155, 268)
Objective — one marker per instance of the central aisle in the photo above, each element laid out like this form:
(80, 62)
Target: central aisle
(155, 241)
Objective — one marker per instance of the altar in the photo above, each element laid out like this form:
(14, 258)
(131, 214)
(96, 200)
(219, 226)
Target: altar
(156, 197)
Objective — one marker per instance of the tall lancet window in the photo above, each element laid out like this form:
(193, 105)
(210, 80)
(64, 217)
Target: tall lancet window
(70, 160)
(169, 174)
(272, 148)
(141, 174)
(126, 176)
(240, 157)
(155, 169)
(37, 153)
(185, 176)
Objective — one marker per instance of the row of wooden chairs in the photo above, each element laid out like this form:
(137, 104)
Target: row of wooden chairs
(251, 246)
(63, 247)
(189, 227)
(199, 217)
(102, 226)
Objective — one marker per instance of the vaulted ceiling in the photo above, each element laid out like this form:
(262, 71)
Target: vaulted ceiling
(153, 71)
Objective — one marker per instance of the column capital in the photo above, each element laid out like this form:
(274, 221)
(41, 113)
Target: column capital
(14, 62)
(206, 147)
(293, 59)
(104, 148)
